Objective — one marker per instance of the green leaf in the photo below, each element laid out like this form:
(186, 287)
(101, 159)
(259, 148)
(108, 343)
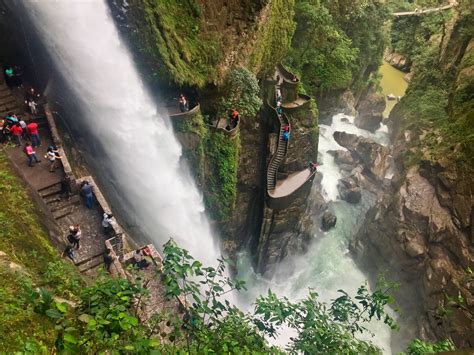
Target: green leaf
(53, 313)
(69, 338)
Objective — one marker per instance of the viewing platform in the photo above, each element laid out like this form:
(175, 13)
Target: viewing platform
(174, 112)
(223, 125)
(281, 193)
(288, 83)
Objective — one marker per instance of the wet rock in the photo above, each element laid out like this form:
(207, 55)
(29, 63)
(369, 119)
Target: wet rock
(342, 157)
(347, 102)
(370, 112)
(374, 157)
(369, 121)
(398, 61)
(349, 190)
(328, 220)
(189, 141)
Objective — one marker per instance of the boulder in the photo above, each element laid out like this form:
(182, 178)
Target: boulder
(328, 220)
(370, 111)
(349, 190)
(342, 157)
(374, 157)
(347, 102)
(369, 121)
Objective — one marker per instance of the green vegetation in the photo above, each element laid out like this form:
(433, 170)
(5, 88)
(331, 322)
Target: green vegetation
(409, 35)
(173, 38)
(36, 265)
(214, 325)
(273, 37)
(419, 347)
(336, 44)
(439, 103)
(195, 126)
(221, 180)
(241, 91)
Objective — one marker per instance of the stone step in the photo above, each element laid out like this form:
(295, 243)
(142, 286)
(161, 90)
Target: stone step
(4, 93)
(63, 212)
(90, 263)
(50, 190)
(7, 100)
(56, 204)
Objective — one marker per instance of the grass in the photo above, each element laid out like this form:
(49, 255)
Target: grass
(26, 243)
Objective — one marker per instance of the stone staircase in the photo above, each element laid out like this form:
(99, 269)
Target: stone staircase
(282, 149)
(8, 102)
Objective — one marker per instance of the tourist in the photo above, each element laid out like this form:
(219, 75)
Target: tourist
(86, 192)
(66, 187)
(32, 105)
(278, 95)
(294, 78)
(313, 166)
(9, 76)
(108, 259)
(17, 74)
(32, 128)
(69, 252)
(24, 134)
(52, 155)
(31, 94)
(75, 235)
(140, 260)
(106, 223)
(286, 128)
(31, 154)
(3, 136)
(17, 132)
(11, 119)
(286, 136)
(279, 109)
(233, 118)
(183, 103)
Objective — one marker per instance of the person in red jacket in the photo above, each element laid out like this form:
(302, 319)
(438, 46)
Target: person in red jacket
(16, 132)
(34, 134)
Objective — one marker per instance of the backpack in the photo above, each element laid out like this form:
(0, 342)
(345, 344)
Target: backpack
(71, 238)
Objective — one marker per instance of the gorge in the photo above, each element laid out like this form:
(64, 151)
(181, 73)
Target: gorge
(393, 190)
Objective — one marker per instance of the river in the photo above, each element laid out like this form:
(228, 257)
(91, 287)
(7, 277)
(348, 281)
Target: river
(392, 83)
(140, 158)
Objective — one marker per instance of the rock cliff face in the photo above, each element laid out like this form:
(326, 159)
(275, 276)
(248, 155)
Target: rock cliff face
(421, 228)
(289, 231)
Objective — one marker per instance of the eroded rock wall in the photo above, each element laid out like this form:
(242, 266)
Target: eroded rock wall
(421, 229)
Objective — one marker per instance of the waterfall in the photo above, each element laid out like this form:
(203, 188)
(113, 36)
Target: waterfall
(138, 151)
(141, 156)
(327, 265)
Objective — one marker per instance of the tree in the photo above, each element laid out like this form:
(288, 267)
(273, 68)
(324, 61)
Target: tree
(320, 328)
(105, 319)
(242, 92)
(321, 52)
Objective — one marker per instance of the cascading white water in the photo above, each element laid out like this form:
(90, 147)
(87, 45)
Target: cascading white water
(327, 266)
(141, 151)
(143, 156)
